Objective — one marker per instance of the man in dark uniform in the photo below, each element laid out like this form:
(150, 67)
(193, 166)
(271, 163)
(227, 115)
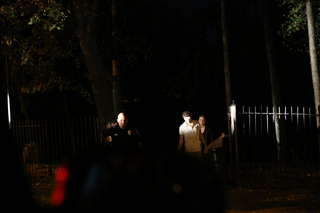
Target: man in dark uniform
(122, 136)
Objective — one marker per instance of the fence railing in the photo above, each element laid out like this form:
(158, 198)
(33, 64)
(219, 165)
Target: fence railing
(41, 145)
(257, 136)
(255, 145)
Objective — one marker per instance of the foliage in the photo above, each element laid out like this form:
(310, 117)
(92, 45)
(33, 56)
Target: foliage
(55, 13)
(23, 23)
(294, 29)
(38, 53)
(45, 54)
(29, 148)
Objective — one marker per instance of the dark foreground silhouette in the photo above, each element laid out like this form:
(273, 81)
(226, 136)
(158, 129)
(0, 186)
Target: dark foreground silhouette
(114, 181)
(15, 193)
(100, 180)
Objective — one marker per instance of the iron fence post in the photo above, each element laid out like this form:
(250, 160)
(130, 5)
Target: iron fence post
(233, 139)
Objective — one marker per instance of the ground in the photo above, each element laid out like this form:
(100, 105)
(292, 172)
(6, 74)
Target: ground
(272, 201)
(238, 200)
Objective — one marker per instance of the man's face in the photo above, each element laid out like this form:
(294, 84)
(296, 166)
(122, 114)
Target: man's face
(202, 121)
(187, 119)
(122, 121)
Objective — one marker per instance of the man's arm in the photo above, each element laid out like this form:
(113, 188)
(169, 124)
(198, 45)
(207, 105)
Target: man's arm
(180, 142)
(217, 143)
(206, 150)
(106, 135)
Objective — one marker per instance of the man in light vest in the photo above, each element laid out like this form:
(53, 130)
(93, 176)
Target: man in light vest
(190, 133)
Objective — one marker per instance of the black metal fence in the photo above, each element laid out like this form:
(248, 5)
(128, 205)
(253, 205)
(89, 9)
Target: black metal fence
(257, 136)
(257, 148)
(41, 145)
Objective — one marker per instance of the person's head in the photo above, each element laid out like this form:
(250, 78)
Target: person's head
(122, 120)
(187, 116)
(202, 120)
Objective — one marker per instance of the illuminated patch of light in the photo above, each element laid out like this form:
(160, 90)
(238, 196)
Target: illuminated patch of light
(9, 112)
(233, 117)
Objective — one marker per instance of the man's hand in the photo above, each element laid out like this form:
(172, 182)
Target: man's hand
(223, 135)
(108, 139)
(206, 150)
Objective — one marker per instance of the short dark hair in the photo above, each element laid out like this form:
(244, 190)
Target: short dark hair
(186, 114)
(202, 115)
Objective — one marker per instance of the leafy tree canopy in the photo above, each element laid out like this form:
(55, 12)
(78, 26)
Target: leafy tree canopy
(294, 30)
(45, 54)
(35, 46)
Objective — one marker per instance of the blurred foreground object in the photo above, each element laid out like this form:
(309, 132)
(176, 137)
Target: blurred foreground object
(16, 194)
(114, 181)
(58, 191)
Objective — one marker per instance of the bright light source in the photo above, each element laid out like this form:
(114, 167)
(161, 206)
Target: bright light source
(232, 110)
(9, 112)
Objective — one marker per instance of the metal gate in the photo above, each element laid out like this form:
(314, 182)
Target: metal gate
(41, 145)
(253, 137)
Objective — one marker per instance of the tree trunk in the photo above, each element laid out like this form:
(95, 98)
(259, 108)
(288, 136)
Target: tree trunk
(226, 53)
(314, 64)
(116, 72)
(101, 86)
(274, 80)
(69, 129)
(232, 139)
